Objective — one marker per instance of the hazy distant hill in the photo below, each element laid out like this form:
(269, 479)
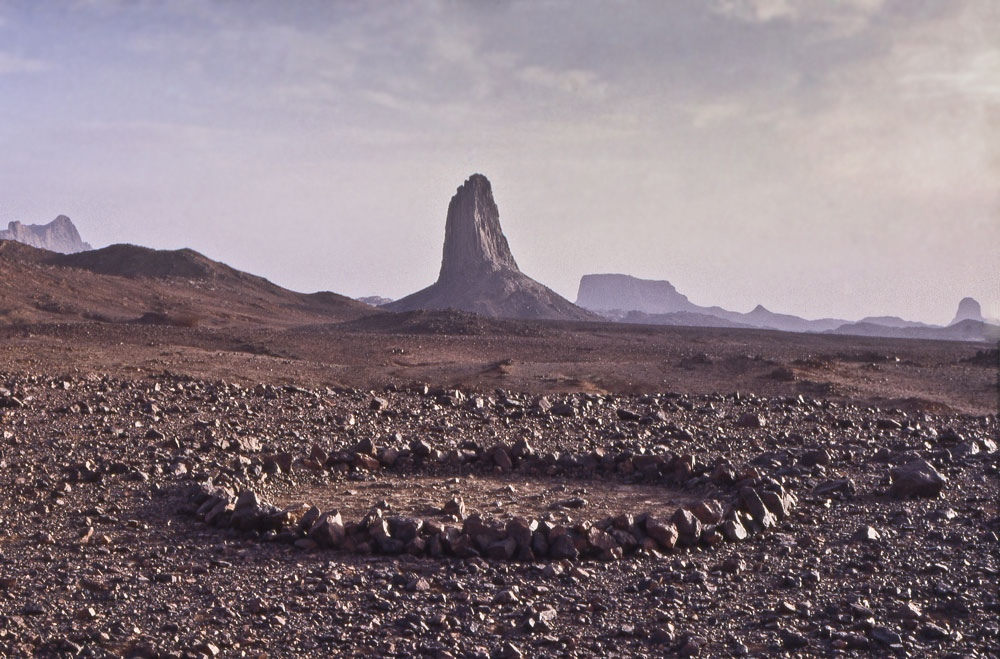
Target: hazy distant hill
(965, 330)
(632, 300)
(617, 296)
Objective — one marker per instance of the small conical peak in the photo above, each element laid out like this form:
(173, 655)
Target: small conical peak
(474, 243)
(759, 309)
(968, 309)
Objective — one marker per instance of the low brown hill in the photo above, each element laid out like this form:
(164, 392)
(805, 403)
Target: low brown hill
(135, 261)
(126, 283)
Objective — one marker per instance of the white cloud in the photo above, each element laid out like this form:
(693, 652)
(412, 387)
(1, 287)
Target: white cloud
(572, 81)
(11, 64)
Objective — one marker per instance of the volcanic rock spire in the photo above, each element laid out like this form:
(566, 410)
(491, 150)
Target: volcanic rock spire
(478, 272)
(474, 244)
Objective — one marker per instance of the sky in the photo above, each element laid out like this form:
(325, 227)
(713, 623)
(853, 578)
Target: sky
(827, 158)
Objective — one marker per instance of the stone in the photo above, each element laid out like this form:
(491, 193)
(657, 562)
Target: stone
(708, 511)
(841, 486)
(502, 459)
(750, 420)
(753, 504)
(866, 534)
(563, 547)
(455, 507)
(917, 478)
(478, 272)
(328, 530)
(733, 531)
(664, 533)
(59, 235)
(886, 636)
(689, 527)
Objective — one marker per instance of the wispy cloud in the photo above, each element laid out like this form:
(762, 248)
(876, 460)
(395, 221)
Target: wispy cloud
(11, 64)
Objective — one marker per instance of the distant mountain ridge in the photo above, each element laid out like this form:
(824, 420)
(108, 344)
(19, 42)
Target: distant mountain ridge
(59, 235)
(657, 302)
(620, 296)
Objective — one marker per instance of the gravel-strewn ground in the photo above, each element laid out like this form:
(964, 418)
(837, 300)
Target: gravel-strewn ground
(98, 558)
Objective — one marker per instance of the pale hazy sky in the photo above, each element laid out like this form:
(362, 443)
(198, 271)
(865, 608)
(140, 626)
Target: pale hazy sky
(822, 157)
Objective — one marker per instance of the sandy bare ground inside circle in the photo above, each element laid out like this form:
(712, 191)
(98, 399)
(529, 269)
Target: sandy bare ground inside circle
(495, 496)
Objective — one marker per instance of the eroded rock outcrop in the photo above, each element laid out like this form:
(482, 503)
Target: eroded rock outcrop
(478, 271)
(968, 309)
(59, 235)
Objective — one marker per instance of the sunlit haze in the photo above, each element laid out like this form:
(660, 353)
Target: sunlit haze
(827, 159)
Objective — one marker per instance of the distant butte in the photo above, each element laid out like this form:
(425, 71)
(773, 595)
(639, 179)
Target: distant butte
(478, 271)
(968, 309)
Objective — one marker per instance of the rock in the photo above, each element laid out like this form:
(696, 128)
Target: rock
(779, 503)
(600, 540)
(917, 478)
(932, 632)
(563, 547)
(59, 235)
(328, 530)
(627, 415)
(455, 507)
(749, 420)
(753, 504)
(419, 585)
(866, 534)
(793, 640)
(688, 526)
(664, 533)
(502, 550)
(708, 511)
(571, 503)
(841, 486)
(478, 271)
(733, 531)
(815, 457)
(502, 459)
(886, 636)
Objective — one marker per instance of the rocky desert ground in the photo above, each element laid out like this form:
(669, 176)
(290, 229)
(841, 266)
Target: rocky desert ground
(441, 485)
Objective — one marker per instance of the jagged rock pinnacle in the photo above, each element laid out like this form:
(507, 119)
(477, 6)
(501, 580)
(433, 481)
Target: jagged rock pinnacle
(474, 244)
(478, 272)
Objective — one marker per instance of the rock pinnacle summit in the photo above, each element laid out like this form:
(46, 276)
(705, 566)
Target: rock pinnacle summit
(478, 271)
(473, 240)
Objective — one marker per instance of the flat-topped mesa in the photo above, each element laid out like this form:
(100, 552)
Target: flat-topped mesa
(474, 244)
